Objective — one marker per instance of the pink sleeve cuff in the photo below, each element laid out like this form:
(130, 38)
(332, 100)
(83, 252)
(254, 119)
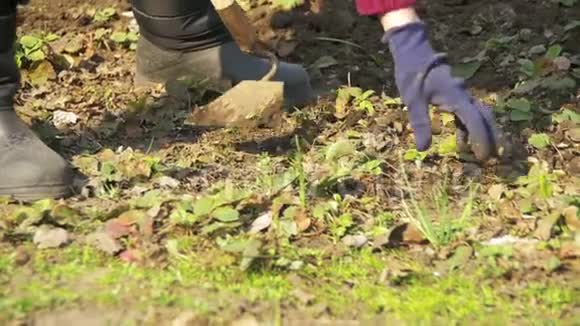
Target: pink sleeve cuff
(379, 7)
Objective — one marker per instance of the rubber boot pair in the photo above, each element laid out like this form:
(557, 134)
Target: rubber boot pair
(223, 66)
(28, 168)
(181, 38)
(177, 40)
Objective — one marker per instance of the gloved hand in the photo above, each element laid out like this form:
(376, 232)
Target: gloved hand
(423, 78)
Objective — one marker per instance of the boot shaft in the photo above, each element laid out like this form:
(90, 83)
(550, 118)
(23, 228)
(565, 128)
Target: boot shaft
(9, 74)
(180, 25)
(7, 24)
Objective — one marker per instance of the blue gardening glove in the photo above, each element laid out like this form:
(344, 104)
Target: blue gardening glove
(423, 77)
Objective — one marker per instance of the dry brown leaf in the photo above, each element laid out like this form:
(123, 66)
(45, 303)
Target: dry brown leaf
(261, 223)
(544, 229)
(302, 220)
(508, 209)
(117, 229)
(49, 237)
(406, 233)
(571, 218)
(42, 74)
(131, 256)
(133, 129)
(569, 250)
(496, 191)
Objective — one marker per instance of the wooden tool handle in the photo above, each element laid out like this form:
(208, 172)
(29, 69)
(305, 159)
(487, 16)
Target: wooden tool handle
(222, 4)
(244, 33)
(237, 23)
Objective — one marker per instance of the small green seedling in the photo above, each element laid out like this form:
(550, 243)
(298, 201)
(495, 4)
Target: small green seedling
(104, 15)
(128, 39)
(31, 48)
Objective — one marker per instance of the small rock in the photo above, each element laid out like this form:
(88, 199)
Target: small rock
(47, 237)
(62, 119)
(355, 241)
(168, 182)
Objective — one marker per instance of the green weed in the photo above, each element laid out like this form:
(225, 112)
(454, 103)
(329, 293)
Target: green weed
(31, 48)
(347, 285)
(342, 161)
(360, 100)
(104, 15)
(126, 39)
(298, 166)
(438, 223)
(336, 214)
(540, 181)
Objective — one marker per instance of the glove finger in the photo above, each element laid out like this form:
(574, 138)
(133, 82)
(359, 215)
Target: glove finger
(479, 130)
(421, 124)
(462, 133)
(489, 116)
(462, 137)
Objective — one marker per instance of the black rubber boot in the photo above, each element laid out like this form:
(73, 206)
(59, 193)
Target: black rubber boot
(29, 170)
(221, 66)
(187, 39)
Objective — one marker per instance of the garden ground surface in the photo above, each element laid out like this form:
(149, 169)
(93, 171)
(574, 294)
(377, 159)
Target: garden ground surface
(331, 218)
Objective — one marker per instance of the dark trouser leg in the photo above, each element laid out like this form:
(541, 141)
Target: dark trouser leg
(186, 38)
(9, 74)
(28, 168)
(181, 25)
